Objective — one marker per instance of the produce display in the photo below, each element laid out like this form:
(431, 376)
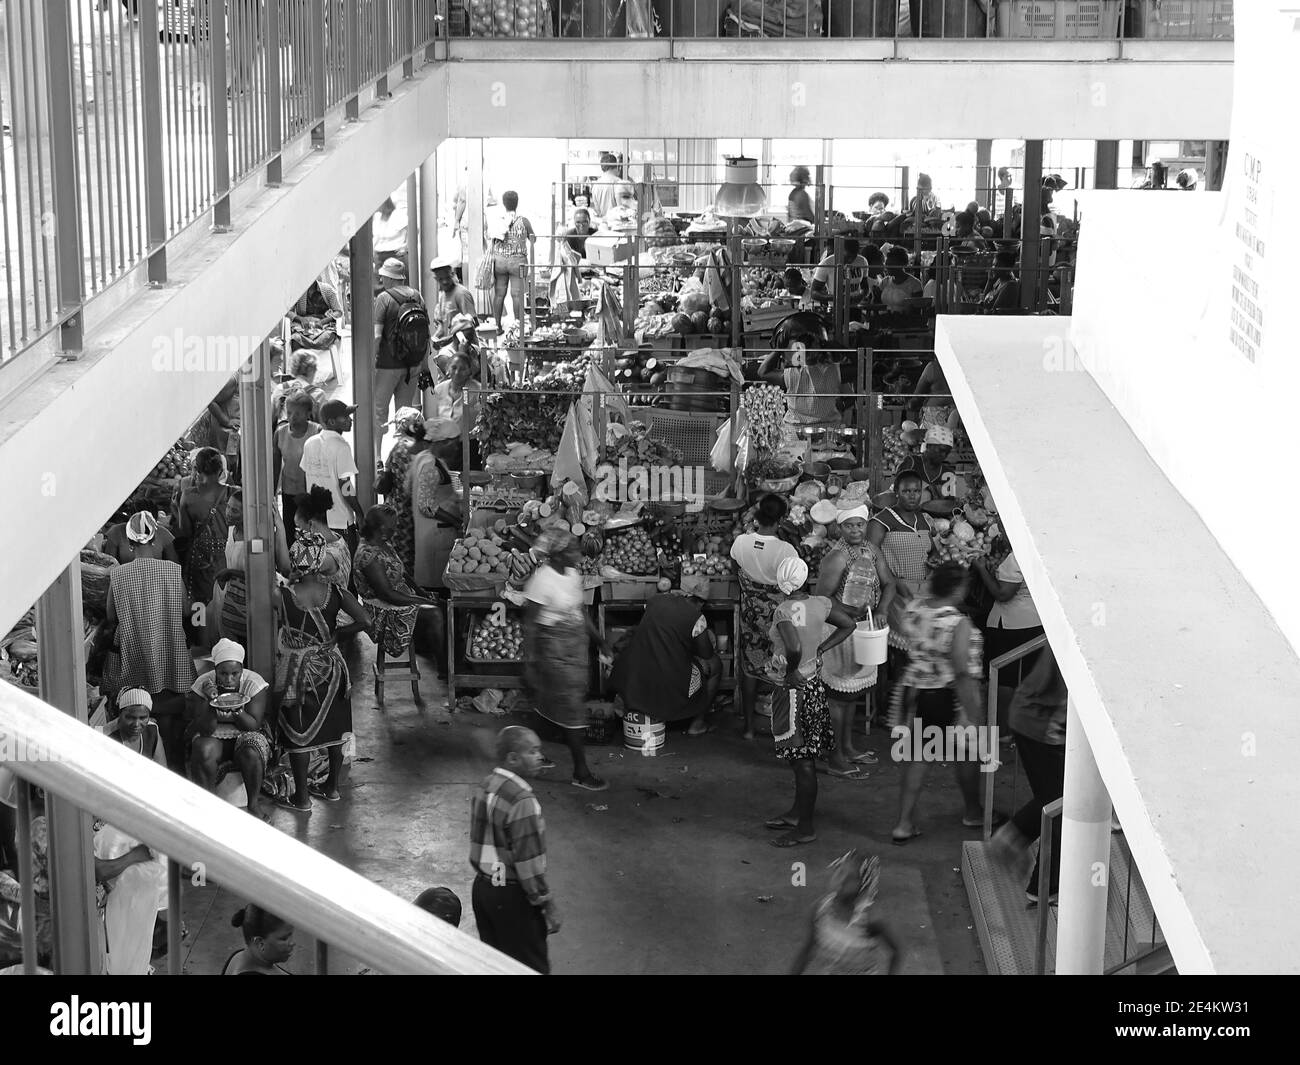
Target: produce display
(509, 18)
(495, 638)
(762, 284)
(716, 550)
(638, 367)
(896, 448)
(176, 463)
(764, 407)
(484, 552)
(631, 551)
(530, 415)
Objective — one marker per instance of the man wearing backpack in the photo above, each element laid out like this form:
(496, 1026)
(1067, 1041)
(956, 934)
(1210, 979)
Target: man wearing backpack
(401, 342)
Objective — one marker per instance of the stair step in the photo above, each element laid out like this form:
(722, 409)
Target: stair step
(1008, 925)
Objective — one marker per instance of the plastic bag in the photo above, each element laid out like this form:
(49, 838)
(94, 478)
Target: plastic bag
(640, 19)
(720, 456)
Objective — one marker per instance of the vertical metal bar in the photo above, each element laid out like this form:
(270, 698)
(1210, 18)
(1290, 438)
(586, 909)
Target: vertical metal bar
(352, 60)
(322, 958)
(138, 240)
(92, 160)
(60, 632)
(163, 48)
(13, 16)
(49, 277)
(259, 501)
(383, 50)
(1030, 226)
(220, 122)
(85, 203)
(32, 143)
(361, 256)
(26, 877)
(9, 274)
(317, 73)
(174, 920)
(1044, 884)
(63, 178)
(274, 129)
(121, 139)
(154, 180)
(407, 42)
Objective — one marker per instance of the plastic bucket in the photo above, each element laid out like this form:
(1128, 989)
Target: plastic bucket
(870, 646)
(644, 734)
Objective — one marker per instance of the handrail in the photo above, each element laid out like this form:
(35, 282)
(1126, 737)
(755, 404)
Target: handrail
(198, 831)
(1001, 662)
(1051, 810)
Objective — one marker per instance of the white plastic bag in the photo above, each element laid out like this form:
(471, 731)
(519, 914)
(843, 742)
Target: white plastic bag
(720, 456)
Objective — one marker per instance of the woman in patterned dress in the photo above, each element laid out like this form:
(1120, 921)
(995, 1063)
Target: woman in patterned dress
(855, 565)
(310, 674)
(940, 689)
(311, 515)
(801, 720)
(202, 526)
(396, 491)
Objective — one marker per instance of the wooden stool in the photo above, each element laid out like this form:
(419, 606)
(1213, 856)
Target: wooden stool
(385, 672)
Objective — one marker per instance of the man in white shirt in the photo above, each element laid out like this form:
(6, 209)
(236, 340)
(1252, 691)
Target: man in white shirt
(327, 461)
(604, 193)
(389, 230)
(853, 267)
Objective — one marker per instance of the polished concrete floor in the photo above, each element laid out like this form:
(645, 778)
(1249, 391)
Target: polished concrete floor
(669, 871)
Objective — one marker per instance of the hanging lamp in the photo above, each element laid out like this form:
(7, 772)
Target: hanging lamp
(740, 195)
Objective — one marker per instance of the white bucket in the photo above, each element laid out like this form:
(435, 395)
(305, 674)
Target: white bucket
(644, 734)
(870, 646)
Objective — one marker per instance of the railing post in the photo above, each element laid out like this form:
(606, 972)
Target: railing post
(352, 59)
(318, 73)
(26, 875)
(361, 258)
(259, 501)
(63, 174)
(155, 187)
(61, 637)
(1045, 858)
(274, 118)
(408, 39)
(322, 958)
(383, 47)
(174, 920)
(220, 121)
(1030, 226)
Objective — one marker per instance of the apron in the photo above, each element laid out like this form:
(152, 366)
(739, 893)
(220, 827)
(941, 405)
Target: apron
(907, 551)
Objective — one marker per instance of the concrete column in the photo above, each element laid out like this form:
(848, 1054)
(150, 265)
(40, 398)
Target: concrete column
(1085, 858)
(428, 225)
(414, 272)
(1107, 164)
(1030, 282)
(1216, 162)
(984, 182)
(475, 194)
(60, 635)
(255, 431)
(361, 255)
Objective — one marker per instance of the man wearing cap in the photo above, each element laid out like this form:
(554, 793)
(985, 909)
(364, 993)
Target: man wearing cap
(327, 461)
(939, 480)
(395, 382)
(234, 734)
(140, 537)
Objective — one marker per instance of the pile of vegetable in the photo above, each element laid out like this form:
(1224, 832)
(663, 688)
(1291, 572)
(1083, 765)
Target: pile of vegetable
(534, 419)
(716, 550)
(631, 551)
(965, 538)
(764, 407)
(761, 284)
(897, 449)
(639, 368)
(496, 638)
(485, 553)
(773, 468)
(640, 450)
(176, 463)
(509, 18)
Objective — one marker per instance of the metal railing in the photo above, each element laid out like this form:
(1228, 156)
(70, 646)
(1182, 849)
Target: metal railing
(1032, 20)
(128, 123)
(196, 830)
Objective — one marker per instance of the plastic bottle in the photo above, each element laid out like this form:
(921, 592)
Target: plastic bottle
(858, 584)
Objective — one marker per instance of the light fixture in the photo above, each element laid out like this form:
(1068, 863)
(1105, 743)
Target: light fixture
(740, 195)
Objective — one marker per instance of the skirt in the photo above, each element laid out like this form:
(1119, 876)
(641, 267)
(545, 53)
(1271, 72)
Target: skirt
(557, 666)
(801, 722)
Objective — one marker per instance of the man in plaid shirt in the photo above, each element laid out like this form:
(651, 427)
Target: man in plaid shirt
(513, 905)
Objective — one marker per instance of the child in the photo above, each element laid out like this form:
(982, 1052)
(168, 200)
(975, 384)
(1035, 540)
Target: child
(841, 939)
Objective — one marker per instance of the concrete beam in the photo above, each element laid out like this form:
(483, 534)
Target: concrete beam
(1090, 100)
(78, 438)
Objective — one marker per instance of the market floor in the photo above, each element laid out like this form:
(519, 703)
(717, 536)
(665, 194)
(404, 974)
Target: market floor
(669, 871)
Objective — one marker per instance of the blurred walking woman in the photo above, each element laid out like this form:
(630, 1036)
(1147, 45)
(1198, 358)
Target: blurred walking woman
(202, 524)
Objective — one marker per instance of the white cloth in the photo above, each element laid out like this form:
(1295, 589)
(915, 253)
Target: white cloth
(558, 594)
(390, 235)
(134, 899)
(828, 273)
(761, 556)
(327, 461)
(791, 575)
(1018, 612)
(446, 411)
(226, 651)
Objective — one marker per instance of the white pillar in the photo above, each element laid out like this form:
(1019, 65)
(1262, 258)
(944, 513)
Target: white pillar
(1085, 858)
(475, 195)
(429, 247)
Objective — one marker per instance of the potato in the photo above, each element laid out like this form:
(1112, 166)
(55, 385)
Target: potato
(469, 567)
(458, 552)
(475, 553)
(489, 550)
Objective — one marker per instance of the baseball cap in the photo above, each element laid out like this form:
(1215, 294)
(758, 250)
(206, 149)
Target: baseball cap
(440, 262)
(335, 408)
(393, 269)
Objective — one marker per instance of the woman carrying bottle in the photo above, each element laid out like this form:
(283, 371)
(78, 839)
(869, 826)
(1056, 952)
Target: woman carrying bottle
(855, 577)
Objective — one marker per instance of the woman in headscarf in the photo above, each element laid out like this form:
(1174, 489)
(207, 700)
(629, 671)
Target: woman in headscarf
(310, 674)
(856, 578)
(384, 592)
(800, 364)
(804, 628)
(436, 511)
(395, 483)
(842, 938)
(201, 523)
(557, 647)
(311, 513)
(140, 537)
(757, 556)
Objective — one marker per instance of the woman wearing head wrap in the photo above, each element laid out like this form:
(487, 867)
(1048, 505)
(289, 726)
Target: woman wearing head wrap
(804, 628)
(384, 591)
(232, 734)
(940, 485)
(856, 578)
(843, 940)
(311, 677)
(140, 537)
(395, 485)
(557, 647)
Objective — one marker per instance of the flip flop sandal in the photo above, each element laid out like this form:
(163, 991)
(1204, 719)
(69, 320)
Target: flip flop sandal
(866, 758)
(778, 823)
(903, 841)
(792, 840)
(323, 795)
(286, 804)
(700, 732)
(546, 763)
(595, 784)
(847, 774)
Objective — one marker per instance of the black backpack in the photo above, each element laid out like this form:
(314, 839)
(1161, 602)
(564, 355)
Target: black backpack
(410, 332)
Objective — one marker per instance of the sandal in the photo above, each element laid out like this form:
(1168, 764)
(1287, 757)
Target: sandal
(866, 758)
(693, 731)
(847, 774)
(326, 796)
(288, 804)
(903, 841)
(590, 784)
(790, 839)
(778, 823)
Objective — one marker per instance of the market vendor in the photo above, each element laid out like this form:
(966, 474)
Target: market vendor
(940, 483)
(140, 537)
(453, 301)
(452, 401)
(670, 671)
(809, 375)
(903, 533)
(851, 266)
(933, 403)
(572, 249)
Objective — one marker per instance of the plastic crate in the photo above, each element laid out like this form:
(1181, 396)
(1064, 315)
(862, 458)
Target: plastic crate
(693, 433)
(1194, 20)
(475, 623)
(629, 589)
(1075, 20)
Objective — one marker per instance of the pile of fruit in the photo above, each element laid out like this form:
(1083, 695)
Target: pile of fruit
(632, 552)
(639, 368)
(662, 285)
(896, 448)
(176, 463)
(496, 638)
(764, 407)
(485, 553)
(959, 541)
(509, 18)
(759, 284)
(548, 336)
(717, 559)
